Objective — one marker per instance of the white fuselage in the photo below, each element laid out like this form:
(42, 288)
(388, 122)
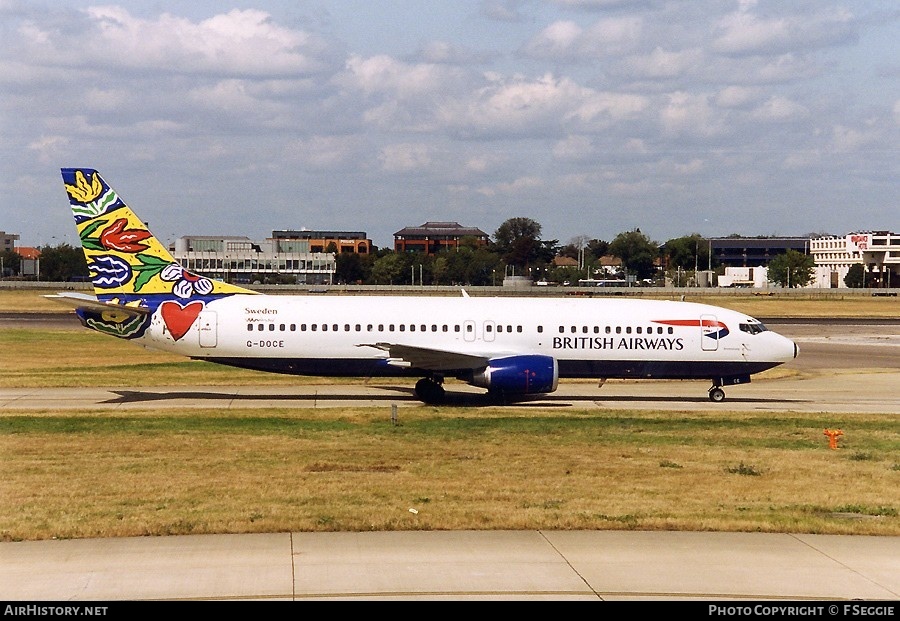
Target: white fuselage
(593, 337)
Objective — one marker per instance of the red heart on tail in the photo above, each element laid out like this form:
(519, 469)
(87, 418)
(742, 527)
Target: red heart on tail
(178, 318)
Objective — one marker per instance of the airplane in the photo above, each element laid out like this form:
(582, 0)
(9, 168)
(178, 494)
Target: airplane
(514, 347)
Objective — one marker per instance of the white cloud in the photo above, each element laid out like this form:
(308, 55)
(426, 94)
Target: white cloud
(405, 157)
(518, 186)
(568, 40)
(690, 114)
(664, 64)
(573, 148)
(240, 42)
(850, 139)
(778, 108)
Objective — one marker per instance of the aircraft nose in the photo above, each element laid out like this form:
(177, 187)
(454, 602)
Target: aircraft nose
(790, 350)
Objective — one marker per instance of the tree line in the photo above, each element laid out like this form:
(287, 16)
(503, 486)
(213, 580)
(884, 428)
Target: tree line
(515, 249)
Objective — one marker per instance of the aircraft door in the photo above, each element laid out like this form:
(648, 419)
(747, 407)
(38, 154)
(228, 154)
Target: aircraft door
(469, 330)
(207, 321)
(488, 330)
(709, 333)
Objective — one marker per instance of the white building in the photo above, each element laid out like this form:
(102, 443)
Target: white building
(756, 277)
(878, 251)
(240, 260)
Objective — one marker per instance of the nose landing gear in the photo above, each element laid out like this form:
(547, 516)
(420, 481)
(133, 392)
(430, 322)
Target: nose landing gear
(716, 394)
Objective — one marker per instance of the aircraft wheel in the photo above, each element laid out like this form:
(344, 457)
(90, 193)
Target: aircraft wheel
(716, 394)
(429, 391)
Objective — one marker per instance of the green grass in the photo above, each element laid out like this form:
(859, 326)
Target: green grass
(148, 472)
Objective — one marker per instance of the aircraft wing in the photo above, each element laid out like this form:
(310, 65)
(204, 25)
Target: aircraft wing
(427, 358)
(91, 303)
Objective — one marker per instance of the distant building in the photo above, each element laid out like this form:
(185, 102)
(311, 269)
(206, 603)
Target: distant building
(8, 241)
(241, 260)
(432, 237)
(877, 251)
(320, 241)
(754, 251)
(744, 277)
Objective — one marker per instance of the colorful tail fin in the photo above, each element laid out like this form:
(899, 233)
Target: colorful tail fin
(128, 264)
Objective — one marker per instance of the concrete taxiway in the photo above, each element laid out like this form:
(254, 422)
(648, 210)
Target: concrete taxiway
(458, 565)
(851, 390)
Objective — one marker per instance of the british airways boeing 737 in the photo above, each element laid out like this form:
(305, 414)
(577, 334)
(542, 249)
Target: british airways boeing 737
(512, 347)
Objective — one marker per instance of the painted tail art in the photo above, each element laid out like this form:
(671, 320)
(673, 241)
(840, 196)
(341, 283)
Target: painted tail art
(133, 274)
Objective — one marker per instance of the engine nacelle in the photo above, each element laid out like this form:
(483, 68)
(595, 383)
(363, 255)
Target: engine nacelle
(519, 375)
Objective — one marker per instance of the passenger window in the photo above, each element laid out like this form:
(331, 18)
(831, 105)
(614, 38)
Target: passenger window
(638, 329)
(402, 327)
(249, 327)
(540, 329)
(281, 328)
(260, 327)
(628, 330)
(293, 327)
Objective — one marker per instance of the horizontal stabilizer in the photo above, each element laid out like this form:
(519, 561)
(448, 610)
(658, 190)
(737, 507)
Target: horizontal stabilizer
(91, 303)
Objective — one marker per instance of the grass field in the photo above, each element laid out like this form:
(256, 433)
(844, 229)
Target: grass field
(72, 474)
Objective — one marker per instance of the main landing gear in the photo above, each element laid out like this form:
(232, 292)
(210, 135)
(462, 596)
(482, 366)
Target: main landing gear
(429, 389)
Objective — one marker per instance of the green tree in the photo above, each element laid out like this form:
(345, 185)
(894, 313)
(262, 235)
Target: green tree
(10, 261)
(856, 276)
(791, 269)
(688, 252)
(518, 242)
(391, 268)
(598, 248)
(637, 252)
(62, 263)
(351, 267)
(475, 266)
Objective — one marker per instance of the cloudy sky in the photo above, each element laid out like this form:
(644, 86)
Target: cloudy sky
(592, 117)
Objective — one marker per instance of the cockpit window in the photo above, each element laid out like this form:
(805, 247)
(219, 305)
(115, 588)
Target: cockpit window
(752, 328)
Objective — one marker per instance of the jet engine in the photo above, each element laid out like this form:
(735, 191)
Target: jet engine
(518, 375)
